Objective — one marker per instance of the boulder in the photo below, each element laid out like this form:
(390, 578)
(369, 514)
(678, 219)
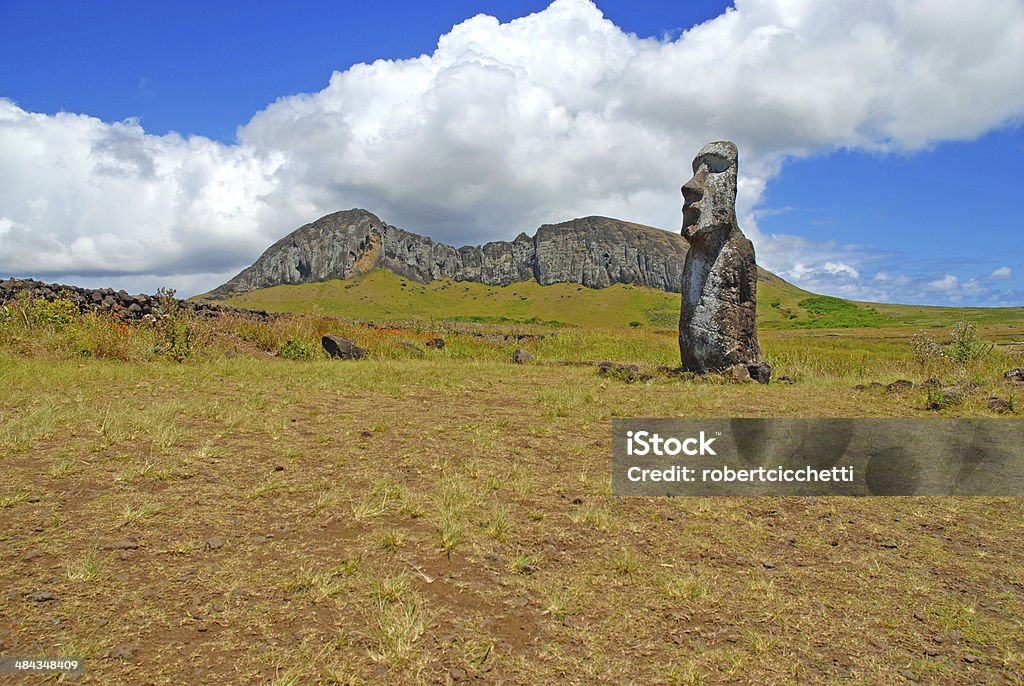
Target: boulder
(520, 356)
(342, 348)
(1015, 375)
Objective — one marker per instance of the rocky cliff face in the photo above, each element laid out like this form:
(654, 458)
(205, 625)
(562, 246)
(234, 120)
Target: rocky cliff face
(594, 251)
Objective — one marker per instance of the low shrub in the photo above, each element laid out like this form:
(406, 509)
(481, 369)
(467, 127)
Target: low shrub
(296, 349)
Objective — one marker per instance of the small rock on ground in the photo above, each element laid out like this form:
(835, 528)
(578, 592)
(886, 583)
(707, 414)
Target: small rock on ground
(341, 348)
(999, 405)
(520, 356)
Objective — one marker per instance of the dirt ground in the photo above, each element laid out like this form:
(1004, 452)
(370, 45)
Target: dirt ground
(418, 521)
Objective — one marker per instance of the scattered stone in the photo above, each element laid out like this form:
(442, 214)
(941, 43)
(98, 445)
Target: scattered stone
(908, 675)
(630, 373)
(971, 658)
(122, 545)
(718, 320)
(33, 499)
(786, 379)
(342, 348)
(577, 501)
(214, 542)
(278, 468)
(999, 405)
(435, 344)
(1015, 375)
(738, 372)
(456, 674)
(760, 372)
(258, 539)
(365, 433)
(945, 397)
(32, 554)
(768, 565)
(931, 383)
(520, 356)
(899, 386)
(44, 596)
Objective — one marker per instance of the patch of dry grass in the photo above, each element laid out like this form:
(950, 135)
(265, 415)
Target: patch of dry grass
(255, 520)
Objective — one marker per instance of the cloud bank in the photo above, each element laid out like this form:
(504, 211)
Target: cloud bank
(506, 126)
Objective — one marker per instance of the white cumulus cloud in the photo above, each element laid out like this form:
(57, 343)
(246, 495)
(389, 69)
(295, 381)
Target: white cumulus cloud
(1001, 273)
(946, 283)
(505, 126)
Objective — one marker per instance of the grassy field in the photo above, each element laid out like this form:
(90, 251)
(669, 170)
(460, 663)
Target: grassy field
(382, 295)
(444, 516)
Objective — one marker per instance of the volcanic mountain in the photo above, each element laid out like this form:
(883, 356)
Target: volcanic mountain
(593, 251)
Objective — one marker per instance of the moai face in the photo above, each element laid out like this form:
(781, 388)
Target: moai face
(709, 198)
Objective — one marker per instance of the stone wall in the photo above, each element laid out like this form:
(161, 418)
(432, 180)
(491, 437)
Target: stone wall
(107, 299)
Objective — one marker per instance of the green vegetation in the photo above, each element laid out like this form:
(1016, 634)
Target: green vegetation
(384, 296)
(828, 312)
(297, 349)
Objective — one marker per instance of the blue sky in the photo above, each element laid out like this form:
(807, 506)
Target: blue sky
(200, 67)
(884, 166)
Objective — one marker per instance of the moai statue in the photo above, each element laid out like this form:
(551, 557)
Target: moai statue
(718, 320)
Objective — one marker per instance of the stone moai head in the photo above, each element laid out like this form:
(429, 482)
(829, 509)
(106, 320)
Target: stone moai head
(709, 198)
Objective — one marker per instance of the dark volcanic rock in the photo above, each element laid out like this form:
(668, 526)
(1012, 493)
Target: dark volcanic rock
(1015, 375)
(593, 251)
(342, 348)
(125, 306)
(761, 372)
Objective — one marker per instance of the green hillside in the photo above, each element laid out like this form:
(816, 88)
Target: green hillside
(382, 295)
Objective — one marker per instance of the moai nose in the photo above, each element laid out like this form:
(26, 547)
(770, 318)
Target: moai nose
(692, 191)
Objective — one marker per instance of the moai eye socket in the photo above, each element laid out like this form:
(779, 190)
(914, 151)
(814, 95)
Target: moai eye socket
(715, 163)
